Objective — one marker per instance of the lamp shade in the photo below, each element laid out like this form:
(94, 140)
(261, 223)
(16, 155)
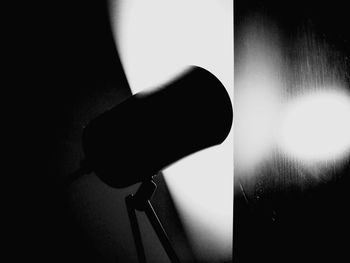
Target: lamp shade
(149, 131)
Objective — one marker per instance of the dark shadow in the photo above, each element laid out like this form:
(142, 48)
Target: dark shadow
(66, 72)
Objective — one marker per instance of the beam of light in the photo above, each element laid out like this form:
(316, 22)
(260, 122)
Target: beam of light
(314, 130)
(292, 113)
(291, 107)
(316, 127)
(258, 88)
(158, 39)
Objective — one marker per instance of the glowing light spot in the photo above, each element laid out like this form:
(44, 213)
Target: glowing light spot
(316, 127)
(257, 97)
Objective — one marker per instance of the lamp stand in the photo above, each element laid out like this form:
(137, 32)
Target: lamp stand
(141, 202)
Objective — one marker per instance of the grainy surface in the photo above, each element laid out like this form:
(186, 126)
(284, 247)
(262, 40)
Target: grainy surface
(289, 212)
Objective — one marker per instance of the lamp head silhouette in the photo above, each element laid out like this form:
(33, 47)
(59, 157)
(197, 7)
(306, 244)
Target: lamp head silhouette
(149, 131)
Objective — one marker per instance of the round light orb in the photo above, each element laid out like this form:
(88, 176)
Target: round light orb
(316, 127)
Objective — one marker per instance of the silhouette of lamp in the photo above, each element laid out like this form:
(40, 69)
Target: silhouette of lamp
(154, 45)
(189, 114)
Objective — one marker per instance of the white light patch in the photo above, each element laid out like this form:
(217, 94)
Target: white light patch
(157, 40)
(290, 98)
(258, 89)
(202, 185)
(316, 127)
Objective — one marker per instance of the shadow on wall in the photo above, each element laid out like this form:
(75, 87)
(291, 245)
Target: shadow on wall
(71, 73)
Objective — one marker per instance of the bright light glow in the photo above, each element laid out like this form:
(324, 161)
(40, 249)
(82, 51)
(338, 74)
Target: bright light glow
(158, 39)
(272, 110)
(316, 127)
(258, 88)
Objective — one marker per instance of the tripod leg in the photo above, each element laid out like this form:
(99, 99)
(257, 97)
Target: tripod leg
(152, 216)
(135, 229)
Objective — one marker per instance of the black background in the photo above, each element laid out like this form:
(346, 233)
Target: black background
(59, 56)
(61, 69)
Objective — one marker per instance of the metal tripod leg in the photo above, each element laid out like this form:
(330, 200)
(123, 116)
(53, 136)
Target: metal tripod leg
(140, 201)
(157, 226)
(135, 229)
